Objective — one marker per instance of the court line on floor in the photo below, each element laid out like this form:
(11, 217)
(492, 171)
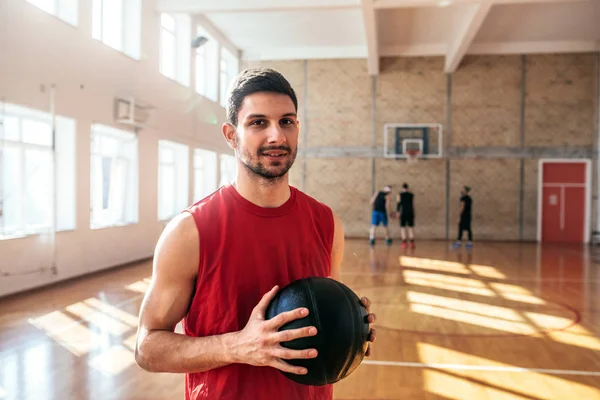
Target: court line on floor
(489, 368)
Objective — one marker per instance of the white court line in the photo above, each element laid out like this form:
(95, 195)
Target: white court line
(481, 368)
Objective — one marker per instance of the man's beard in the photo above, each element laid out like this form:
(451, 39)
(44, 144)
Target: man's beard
(260, 170)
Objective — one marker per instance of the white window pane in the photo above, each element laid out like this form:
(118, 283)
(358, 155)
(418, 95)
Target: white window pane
(36, 132)
(167, 22)
(112, 18)
(114, 180)
(166, 191)
(11, 189)
(11, 128)
(97, 19)
(68, 11)
(46, 5)
(167, 55)
(38, 189)
(228, 169)
(166, 155)
(201, 71)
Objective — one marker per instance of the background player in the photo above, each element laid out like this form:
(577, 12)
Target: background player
(405, 206)
(381, 205)
(464, 218)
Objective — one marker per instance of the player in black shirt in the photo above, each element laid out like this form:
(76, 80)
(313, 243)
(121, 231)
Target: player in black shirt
(381, 205)
(405, 206)
(464, 218)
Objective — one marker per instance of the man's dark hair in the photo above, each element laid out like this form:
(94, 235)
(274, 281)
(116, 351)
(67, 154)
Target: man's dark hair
(467, 189)
(405, 186)
(252, 81)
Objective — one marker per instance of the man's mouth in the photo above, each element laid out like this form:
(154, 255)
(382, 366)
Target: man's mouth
(275, 153)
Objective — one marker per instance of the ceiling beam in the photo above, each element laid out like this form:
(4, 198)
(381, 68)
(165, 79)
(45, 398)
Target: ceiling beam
(385, 4)
(370, 23)
(236, 6)
(472, 21)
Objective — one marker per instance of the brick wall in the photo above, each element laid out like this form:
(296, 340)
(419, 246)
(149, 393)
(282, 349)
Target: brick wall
(486, 112)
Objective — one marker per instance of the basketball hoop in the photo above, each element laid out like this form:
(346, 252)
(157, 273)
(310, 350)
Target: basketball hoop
(412, 155)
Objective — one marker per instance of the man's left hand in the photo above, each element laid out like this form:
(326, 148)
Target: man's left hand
(371, 318)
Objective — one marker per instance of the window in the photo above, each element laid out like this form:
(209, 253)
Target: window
(205, 173)
(173, 179)
(66, 10)
(207, 69)
(114, 177)
(175, 39)
(229, 69)
(118, 24)
(228, 169)
(32, 199)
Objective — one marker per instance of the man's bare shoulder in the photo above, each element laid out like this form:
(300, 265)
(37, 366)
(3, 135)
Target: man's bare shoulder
(178, 248)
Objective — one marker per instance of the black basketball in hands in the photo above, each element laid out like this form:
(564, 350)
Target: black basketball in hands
(342, 328)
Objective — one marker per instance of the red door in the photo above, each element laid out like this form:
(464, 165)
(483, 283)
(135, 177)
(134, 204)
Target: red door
(563, 202)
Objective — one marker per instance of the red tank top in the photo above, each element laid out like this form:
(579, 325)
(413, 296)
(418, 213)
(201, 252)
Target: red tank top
(245, 251)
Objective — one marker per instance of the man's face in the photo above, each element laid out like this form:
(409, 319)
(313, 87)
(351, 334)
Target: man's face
(266, 137)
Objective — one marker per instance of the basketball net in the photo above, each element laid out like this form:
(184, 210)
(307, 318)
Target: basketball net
(412, 156)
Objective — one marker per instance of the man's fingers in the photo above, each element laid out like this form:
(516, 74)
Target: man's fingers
(371, 318)
(283, 366)
(287, 354)
(366, 302)
(263, 304)
(291, 334)
(372, 335)
(285, 317)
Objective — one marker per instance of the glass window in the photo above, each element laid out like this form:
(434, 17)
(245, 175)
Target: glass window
(205, 173)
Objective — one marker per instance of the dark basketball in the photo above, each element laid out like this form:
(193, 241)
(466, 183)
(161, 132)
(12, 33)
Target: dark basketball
(342, 328)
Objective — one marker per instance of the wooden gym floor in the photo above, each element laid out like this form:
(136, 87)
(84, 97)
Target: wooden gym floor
(503, 321)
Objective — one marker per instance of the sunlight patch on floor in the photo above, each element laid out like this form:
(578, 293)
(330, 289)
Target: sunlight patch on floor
(461, 317)
(140, 286)
(67, 332)
(487, 271)
(467, 306)
(516, 293)
(113, 361)
(452, 283)
(512, 385)
(3, 393)
(117, 313)
(98, 319)
(437, 265)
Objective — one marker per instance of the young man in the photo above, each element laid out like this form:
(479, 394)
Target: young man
(464, 218)
(380, 201)
(405, 206)
(219, 264)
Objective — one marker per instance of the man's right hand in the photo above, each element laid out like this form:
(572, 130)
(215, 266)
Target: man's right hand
(259, 342)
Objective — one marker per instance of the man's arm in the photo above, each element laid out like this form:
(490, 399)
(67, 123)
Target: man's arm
(166, 302)
(373, 198)
(160, 349)
(337, 251)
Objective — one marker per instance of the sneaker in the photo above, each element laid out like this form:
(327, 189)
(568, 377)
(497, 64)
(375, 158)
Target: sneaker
(388, 241)
(403, 245)
(455, 245)
(371, 242)
(412, 245)
(469, 245)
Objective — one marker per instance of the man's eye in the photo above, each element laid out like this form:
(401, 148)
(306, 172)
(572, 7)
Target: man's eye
(287, 121)
(257, 122)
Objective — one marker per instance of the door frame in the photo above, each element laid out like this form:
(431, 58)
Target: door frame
(588, 192)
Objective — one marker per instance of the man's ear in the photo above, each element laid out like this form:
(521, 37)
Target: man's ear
(228, 131)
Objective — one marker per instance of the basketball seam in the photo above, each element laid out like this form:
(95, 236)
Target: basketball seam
(348, 360)
(313, 302)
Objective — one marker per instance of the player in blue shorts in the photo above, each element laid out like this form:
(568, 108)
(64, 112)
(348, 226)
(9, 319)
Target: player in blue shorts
(381, 205)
